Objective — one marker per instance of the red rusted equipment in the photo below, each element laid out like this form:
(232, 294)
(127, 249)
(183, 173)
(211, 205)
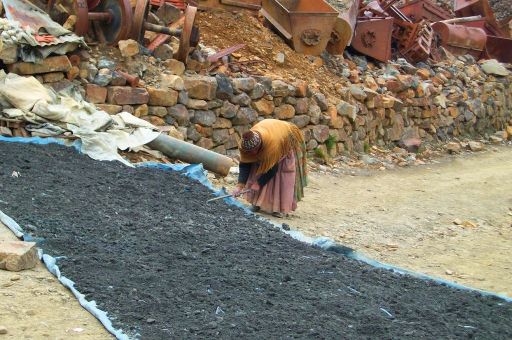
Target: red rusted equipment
(112, 17)
(225, 52)
(420, 49)
(405, 33)
(466, 8)
(306, 25)
(483, 24)
(163, 38)
(499, 48)
(418, 10)
(189, 34)
(133, 81)
(461, 40)
(343, 31)
(373, 38)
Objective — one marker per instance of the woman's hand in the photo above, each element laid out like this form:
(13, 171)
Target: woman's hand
(239, 187)
(255, 187)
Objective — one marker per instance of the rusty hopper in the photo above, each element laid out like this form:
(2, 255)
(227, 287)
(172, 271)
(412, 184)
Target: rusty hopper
(373, 38)
(461, 40)
(343, 30)
(305, 24)
(499, 48)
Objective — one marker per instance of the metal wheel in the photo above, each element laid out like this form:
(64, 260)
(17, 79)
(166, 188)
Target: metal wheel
(118, 27)
(187, 34)
(82, 17)
(139, 16)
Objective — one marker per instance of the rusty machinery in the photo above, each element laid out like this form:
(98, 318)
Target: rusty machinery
(305, 25)
(460, 40)
(189, 33)
(411, 39)
(113, 20)
(418, 10)
(373, 38)
(343, 31)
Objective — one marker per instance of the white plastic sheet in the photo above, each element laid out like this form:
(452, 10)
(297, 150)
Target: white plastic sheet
(102, 135)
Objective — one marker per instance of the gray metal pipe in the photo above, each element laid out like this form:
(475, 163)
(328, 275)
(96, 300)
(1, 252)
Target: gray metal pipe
(192, 154)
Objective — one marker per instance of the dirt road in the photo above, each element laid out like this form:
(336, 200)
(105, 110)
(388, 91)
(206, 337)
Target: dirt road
(406, 217)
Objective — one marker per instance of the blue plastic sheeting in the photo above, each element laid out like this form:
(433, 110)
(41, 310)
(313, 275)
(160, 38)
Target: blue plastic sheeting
(43, 141)
(197, 172)
(11, 224)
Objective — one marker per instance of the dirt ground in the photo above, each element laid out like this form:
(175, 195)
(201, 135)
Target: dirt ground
(34, 305)
(406, 217)
(263, 44)
(143, 244)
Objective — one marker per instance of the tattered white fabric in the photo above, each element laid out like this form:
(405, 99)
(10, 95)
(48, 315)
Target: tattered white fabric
(101, 134)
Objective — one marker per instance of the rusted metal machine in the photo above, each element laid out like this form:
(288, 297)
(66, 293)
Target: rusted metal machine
(113, 20)
(499, 48)
(373, 38)
(466, 8)
(140, 24)
(412, 39)
(461, 40)
(305, 25)
(343, 31)
(483, 24)
(420, 48)
(418, 10)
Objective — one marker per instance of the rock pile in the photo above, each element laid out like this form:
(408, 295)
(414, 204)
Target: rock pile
(396, 104)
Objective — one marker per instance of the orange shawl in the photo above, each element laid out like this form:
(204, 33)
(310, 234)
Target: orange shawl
(278, 139)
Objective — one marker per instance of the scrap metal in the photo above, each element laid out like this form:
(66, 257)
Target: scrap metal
(373, 38)
(499, 48)
(305, 25)
(225, 52)
(461, 40)
(344, 28)
(418, 10)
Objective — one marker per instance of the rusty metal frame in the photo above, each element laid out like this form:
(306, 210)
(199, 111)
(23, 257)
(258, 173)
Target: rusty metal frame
(418, 10)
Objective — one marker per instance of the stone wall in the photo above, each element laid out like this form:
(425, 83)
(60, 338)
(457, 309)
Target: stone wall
(437, 103)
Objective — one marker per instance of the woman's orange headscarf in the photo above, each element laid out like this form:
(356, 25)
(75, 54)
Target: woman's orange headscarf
(278, 139)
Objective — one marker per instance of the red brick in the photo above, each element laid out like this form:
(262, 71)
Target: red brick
(51, 64)
(95, 94)
(124, 95)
